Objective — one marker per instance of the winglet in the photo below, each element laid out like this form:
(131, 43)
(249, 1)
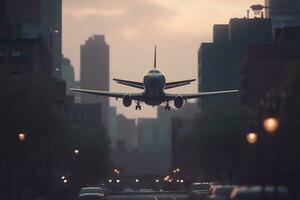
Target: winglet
(155, 57)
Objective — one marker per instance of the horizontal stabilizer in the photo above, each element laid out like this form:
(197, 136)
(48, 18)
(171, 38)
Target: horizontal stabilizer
(174, 84)
(134, 84)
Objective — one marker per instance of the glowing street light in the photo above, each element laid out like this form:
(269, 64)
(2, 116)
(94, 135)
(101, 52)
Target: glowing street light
(137, 180)
(21, 136)
(118, 181)
(166, 178)
(181, 181)
(157, 181)
(109, 180)
(76, 151)
(251, 137)
(63, 177)
(65, 180)
(178, 170)
(271, 124)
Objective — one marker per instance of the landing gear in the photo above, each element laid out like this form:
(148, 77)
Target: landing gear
(167, 107)
(138, 106)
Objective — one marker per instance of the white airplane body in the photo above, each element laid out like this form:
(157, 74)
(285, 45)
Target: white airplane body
(154, 85)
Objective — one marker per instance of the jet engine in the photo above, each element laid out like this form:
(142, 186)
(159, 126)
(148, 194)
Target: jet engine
(127, 101)
(178, 102)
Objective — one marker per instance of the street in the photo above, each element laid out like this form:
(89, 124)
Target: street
(154, 196)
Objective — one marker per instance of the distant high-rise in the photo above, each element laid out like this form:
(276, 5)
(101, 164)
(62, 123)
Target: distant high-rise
(283, 12)
(67, 73)
(95, 72)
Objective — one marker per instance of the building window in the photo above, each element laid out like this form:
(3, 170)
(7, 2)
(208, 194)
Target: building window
(18, 56)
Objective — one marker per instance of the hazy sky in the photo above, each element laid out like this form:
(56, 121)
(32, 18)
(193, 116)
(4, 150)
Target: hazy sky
(133, 27)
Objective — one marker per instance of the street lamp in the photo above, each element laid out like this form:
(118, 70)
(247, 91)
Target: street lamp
(178, 170)
(251, 137)
(21, 136)
(118, 181)
(271, 124)
(109, 180)
(137, 180)
(157, 181)
(76, 151)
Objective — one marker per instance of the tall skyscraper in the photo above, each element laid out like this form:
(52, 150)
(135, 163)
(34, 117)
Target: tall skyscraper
(95, 72)
(283, 12)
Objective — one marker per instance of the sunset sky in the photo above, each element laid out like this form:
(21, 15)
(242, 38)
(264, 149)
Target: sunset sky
(133, 27)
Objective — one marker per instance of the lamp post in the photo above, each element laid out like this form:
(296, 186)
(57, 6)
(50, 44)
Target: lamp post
(271, 124)
(252, 137)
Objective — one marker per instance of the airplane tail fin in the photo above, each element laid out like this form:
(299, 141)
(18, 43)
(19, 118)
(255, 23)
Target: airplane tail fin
(155, 57)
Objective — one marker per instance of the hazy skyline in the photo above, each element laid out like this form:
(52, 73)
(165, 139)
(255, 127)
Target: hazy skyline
(133, 27)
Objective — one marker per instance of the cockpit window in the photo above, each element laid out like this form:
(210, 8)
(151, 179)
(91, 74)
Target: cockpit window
(154, 71)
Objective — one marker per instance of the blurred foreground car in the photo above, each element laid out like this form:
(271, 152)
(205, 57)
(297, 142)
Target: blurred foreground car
(128, 190)
(220, 192)
(198, 191)
(146, 190)
(91, 193)
(260, 193)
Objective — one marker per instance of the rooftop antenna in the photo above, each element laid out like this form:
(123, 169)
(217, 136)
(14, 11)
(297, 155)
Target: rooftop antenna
(155, 57)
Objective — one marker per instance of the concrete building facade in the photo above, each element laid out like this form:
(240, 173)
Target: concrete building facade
(34, 19)
(219, 62)
(283, 13)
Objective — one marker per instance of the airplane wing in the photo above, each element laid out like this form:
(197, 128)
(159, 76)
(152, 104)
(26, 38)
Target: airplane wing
(135, 84)
(198, 95)
(134, 96)
(170, 85)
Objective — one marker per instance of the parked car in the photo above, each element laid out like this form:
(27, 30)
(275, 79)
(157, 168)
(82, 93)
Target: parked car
(91, 193)
(220, 192)
(260, 193)
(198, 191)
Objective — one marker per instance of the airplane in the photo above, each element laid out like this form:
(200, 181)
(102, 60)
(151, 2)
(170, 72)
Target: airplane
(154, 85)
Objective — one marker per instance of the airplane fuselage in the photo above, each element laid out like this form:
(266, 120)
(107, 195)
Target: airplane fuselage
(154, 83)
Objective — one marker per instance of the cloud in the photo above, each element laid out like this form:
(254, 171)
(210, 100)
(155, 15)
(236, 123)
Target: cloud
(129, 33)
(82, 13)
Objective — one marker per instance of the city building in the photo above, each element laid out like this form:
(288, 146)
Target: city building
(20, 56)
(283, 13)
(127, 132)
(84, 116)
(189, 110)
(148, 133)
(34, 19)
(95, 72)
(181, 158)
(264, 65)
(112, 131)
(67, 73)
(219, 61)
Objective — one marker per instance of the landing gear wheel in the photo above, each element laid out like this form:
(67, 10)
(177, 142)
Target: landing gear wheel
(138, 106)
(167, 107)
